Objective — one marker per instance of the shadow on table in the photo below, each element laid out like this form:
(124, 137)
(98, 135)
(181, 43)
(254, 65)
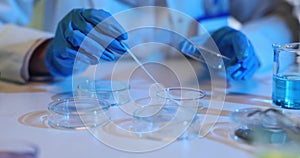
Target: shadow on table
(221, 132)
(19, 88)
(35, 119)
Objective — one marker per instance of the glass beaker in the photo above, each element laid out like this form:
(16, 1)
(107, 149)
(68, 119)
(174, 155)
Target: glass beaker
(286, 76)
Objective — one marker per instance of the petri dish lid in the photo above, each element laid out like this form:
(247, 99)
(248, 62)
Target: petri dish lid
(181, 93)
(64, 95)
(103, 85)
(78, 106)
(242, 115)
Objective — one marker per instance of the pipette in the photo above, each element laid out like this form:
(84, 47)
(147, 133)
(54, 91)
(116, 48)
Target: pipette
(147, 72)
(214, 59)
(139, 63)
(210, 51)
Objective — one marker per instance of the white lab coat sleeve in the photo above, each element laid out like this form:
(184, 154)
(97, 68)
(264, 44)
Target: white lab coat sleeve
(16, 47)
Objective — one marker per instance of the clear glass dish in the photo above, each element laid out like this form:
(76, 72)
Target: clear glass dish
(172, 116)
(264, 126)
(113, 91)
(77, 113)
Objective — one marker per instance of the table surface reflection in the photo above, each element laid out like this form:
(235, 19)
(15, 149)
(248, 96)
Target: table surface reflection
(23, 115)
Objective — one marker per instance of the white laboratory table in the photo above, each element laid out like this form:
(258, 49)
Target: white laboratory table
(23, 115)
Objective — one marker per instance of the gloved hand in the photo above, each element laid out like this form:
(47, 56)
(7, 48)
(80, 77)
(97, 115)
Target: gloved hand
(234, 45)
(84, 35)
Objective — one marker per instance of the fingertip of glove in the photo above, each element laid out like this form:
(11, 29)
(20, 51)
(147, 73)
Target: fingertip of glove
(109, 57)
(187, 47)
(123, 36)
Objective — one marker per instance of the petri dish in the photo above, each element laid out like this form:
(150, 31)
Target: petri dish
(242, 115)
(113, 91)
(18, 149)
(64, 95)
(182, 95)
(189, 101)
(252, 134)
(152, 116)
(173, 114)
(77, 113)
(259, 126)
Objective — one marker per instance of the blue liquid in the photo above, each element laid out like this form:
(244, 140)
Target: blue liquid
(286, 91)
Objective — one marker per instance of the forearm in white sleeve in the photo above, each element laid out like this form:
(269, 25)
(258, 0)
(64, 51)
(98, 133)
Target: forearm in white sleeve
(16, 47)
(263, 33)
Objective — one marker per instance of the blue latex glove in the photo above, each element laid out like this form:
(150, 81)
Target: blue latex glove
(76, 30)
(236, 46)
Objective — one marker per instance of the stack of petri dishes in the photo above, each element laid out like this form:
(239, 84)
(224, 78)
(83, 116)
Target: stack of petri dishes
(77, 113)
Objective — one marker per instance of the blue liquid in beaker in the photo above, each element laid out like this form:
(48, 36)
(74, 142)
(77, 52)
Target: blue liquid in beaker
(286, 91)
